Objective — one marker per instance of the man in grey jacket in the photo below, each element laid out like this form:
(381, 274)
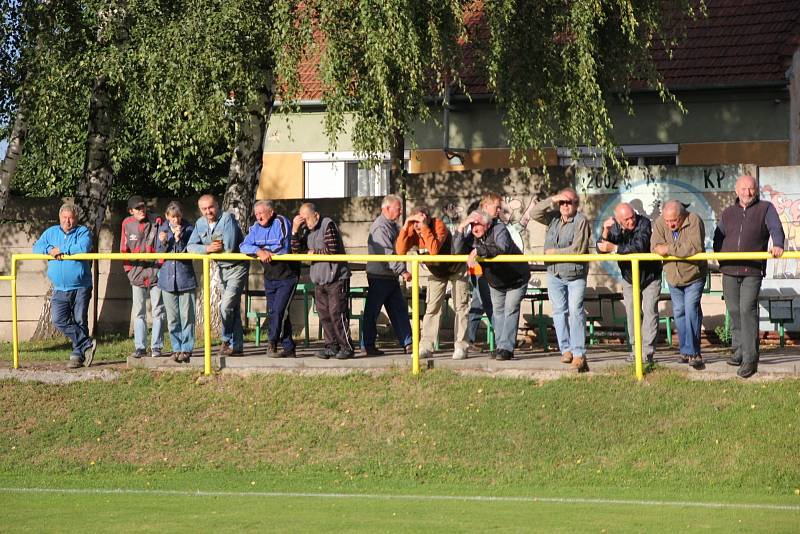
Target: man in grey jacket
(567, 233)
(383, 280)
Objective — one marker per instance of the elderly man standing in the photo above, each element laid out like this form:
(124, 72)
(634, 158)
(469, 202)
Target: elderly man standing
(629, 233)
(72, 282)
(567, 233)
(271, 235)
(431, 236)
(314, 234)
(746, 226)
(508, 281)
(382, 279)
(682, 234)
(217, 232)
(138, 234)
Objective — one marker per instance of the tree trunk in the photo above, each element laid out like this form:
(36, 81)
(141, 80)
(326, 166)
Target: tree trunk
(397, 174)
(243, 177)
(13, 154)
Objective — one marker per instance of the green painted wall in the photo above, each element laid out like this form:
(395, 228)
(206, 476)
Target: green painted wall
(712, 116)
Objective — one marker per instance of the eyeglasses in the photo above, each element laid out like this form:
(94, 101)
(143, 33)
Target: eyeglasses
(567, 202)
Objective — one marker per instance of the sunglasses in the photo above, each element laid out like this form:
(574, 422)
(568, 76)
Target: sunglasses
(566, 202)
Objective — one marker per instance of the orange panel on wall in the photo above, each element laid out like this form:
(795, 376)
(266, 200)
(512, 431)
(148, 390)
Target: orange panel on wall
(764, 153)
(434, 160)
(281, 176)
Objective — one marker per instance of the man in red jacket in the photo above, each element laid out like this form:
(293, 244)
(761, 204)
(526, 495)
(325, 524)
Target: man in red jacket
(431, 236)
(139, 235)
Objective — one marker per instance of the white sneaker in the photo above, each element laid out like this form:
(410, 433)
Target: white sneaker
(459, 354)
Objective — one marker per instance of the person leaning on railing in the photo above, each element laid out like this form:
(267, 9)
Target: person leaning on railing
(681, 233)
(508, 281)
(628, 232)
(72, 282)
(747, 226)
(271, 235)
(314, 234)
(214, 233)
(178, 283)
(567, 233)
(430, 236)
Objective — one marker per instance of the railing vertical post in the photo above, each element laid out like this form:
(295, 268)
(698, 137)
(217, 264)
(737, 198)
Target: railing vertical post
(207, 315)
(637, 318)
(415, 316)
(14, 332)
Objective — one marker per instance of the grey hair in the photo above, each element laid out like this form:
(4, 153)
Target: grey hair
(485, 219)
(388, 200)
(676, 205)
(264, 204)
(308, 205)
(72, 208)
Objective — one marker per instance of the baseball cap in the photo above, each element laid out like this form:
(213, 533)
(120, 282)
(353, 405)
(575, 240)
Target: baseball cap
(136, 201)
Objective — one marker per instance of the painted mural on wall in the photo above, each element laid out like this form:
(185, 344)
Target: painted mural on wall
(781, 186)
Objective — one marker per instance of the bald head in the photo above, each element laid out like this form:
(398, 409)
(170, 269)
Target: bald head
(625, 216)
(746, 190)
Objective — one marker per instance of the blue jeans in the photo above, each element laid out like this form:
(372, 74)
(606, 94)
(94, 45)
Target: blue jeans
(481, 304)
(180, 319)
(230, 307)
(567, 299)
(69, 311)
(688, 315)
(140, 295)
(505, 319)
(279, 299)
(385, 292)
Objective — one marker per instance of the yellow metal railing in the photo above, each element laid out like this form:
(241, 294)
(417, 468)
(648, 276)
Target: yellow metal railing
(415, 260)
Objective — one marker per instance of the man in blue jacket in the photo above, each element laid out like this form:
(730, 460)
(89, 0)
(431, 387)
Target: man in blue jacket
(72, 282)
(219, 232)
(271, 235)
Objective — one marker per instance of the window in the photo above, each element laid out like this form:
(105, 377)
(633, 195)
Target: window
(639, 155)
(341, 174)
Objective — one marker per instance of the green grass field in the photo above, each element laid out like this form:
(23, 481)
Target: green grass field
(402, 443)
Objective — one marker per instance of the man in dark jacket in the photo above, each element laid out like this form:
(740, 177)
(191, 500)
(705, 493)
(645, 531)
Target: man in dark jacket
(383, 280)
(314, 234)
(271, 235)
(629, 233)
(139, 231)
(747, 226)
(508, 281)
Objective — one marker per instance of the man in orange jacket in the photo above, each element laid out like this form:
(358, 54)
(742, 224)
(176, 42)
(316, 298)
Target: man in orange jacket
(431, 236)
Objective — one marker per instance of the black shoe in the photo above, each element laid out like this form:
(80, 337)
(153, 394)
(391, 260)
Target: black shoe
(408, 349)
(504, 355)
(272, 350)
(185, 357)
(747, 371)
(327, 352)
(696, 362)
(372, 351)
(139, 353)
(345, 354)
(684, 358)
(286, 353)
(733, 362)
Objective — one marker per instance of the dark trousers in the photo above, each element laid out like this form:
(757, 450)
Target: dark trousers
(334, 314)
(69, 311)
(386, 292)
(741, 298)
(279, 297)
(481, 303)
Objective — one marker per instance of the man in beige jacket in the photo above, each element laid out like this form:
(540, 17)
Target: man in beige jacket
(680, 233)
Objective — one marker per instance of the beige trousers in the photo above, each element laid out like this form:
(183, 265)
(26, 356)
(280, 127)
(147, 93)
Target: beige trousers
(434, 308)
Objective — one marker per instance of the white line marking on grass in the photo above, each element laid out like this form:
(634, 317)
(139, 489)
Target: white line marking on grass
(467, 498)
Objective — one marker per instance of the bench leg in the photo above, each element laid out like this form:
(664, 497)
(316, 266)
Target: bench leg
(258, 331)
